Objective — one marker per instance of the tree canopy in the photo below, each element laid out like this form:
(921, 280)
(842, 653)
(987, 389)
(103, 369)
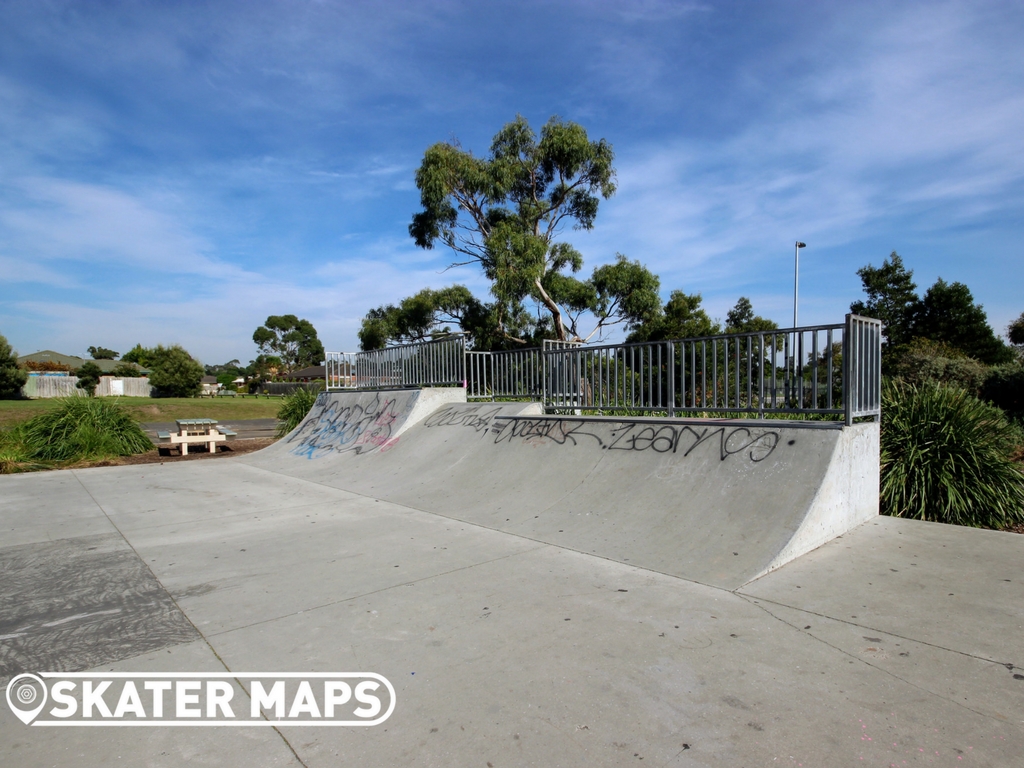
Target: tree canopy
(12, 378)
(142, 356)
(1015, 331)
(89, 377)
(891, 297)
(741, 319)
(506, 212)
(683, 317)
(102, 353)
(174, 372)
(293, 340)
(947, 313)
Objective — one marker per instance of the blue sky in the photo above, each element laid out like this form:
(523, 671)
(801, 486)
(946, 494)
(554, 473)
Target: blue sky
(175, 172)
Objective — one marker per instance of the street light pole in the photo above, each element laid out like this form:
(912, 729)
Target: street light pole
(796, 278)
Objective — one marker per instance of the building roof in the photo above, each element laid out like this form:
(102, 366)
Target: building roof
(313, 372)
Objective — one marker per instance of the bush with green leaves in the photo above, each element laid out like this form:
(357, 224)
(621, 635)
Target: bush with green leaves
(12, 378)
(14, 455)
(1004, 387)
(174, 372)
(294, 409)
(126, 371)
(947, 458)
(81, 428)
(89, 378)
(924, 360)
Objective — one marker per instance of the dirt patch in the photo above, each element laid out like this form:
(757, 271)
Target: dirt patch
(164, 454)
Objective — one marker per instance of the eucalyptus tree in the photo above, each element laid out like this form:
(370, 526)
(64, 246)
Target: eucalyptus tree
(506, 213)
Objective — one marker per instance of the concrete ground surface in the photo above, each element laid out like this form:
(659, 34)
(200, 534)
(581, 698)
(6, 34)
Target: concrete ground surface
(539, 591)
(896, 644)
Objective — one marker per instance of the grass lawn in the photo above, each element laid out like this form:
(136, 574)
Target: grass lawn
(146, 409)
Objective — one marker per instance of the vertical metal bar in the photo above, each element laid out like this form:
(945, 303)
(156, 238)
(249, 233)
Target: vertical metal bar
(704, 375)
(671, 378)
(814, 369)
(736, 374)
(848, 370)
(693, 374)
(714, 373)
(831, 363)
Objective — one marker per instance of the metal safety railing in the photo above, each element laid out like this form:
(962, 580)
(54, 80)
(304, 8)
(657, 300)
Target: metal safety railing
(340, 368)
(513, 374)
(436, 363)
(828, 370)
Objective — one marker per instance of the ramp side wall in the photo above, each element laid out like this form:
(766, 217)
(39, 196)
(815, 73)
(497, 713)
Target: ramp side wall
(846, 497)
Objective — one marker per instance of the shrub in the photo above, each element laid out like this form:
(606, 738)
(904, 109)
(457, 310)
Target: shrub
(924, 360)
(175, 373)
(14, 455)
(83, 428)
(294, 408)
(947, 457)
(12, 378)
(126, 371)
(89, 377)
(1004, 387)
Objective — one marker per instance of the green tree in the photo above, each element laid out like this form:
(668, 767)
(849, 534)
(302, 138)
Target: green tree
(125, 370)
(144, 357)
(923, 361)
(948, 314)
(425, 315)
(293, 340)
(1015, 331)
(263, 367)
(682, 318)
(89, 377)
(12, 377)
(102, 353)
(175, 373)
(741, 319)
(505, 213)
(891, 297)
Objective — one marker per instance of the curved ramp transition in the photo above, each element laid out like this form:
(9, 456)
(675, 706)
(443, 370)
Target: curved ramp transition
(717, 502)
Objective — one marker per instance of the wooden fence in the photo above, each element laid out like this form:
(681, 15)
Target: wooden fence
(67, 386)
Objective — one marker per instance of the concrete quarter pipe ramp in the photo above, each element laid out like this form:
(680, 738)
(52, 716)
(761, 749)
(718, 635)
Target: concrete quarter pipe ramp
(720, 503)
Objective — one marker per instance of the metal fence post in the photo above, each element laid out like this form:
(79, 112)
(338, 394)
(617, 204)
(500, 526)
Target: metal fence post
(671, 378)
(849, 370)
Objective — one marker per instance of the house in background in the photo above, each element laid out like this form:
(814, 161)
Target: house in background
(313, 373)
(210, 385)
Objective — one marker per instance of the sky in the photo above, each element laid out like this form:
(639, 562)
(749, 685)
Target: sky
(175, 172)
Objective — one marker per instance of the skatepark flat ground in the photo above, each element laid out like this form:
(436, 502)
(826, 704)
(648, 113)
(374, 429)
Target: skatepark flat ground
(899, 643)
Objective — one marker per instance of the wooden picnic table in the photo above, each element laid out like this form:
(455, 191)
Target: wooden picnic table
(196, 431)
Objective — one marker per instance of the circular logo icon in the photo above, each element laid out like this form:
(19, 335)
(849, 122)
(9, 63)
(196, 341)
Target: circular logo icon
(26, 696)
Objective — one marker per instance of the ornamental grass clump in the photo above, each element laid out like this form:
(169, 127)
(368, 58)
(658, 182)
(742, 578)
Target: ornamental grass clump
(82, 428)
(14, 454)
(947, 457)
(294, 409)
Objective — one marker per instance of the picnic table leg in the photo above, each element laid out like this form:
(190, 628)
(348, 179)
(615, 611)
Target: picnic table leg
(211, 447)
(184, 449)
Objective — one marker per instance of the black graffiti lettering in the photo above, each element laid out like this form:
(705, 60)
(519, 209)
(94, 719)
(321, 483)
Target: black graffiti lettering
(635, 437)
(558, 431)
(478, 418)
(758, 445)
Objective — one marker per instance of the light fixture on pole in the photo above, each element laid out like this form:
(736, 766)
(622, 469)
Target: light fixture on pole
(796, 278)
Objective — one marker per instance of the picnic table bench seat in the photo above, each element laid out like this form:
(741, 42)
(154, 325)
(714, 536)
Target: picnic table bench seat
(197, 431)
